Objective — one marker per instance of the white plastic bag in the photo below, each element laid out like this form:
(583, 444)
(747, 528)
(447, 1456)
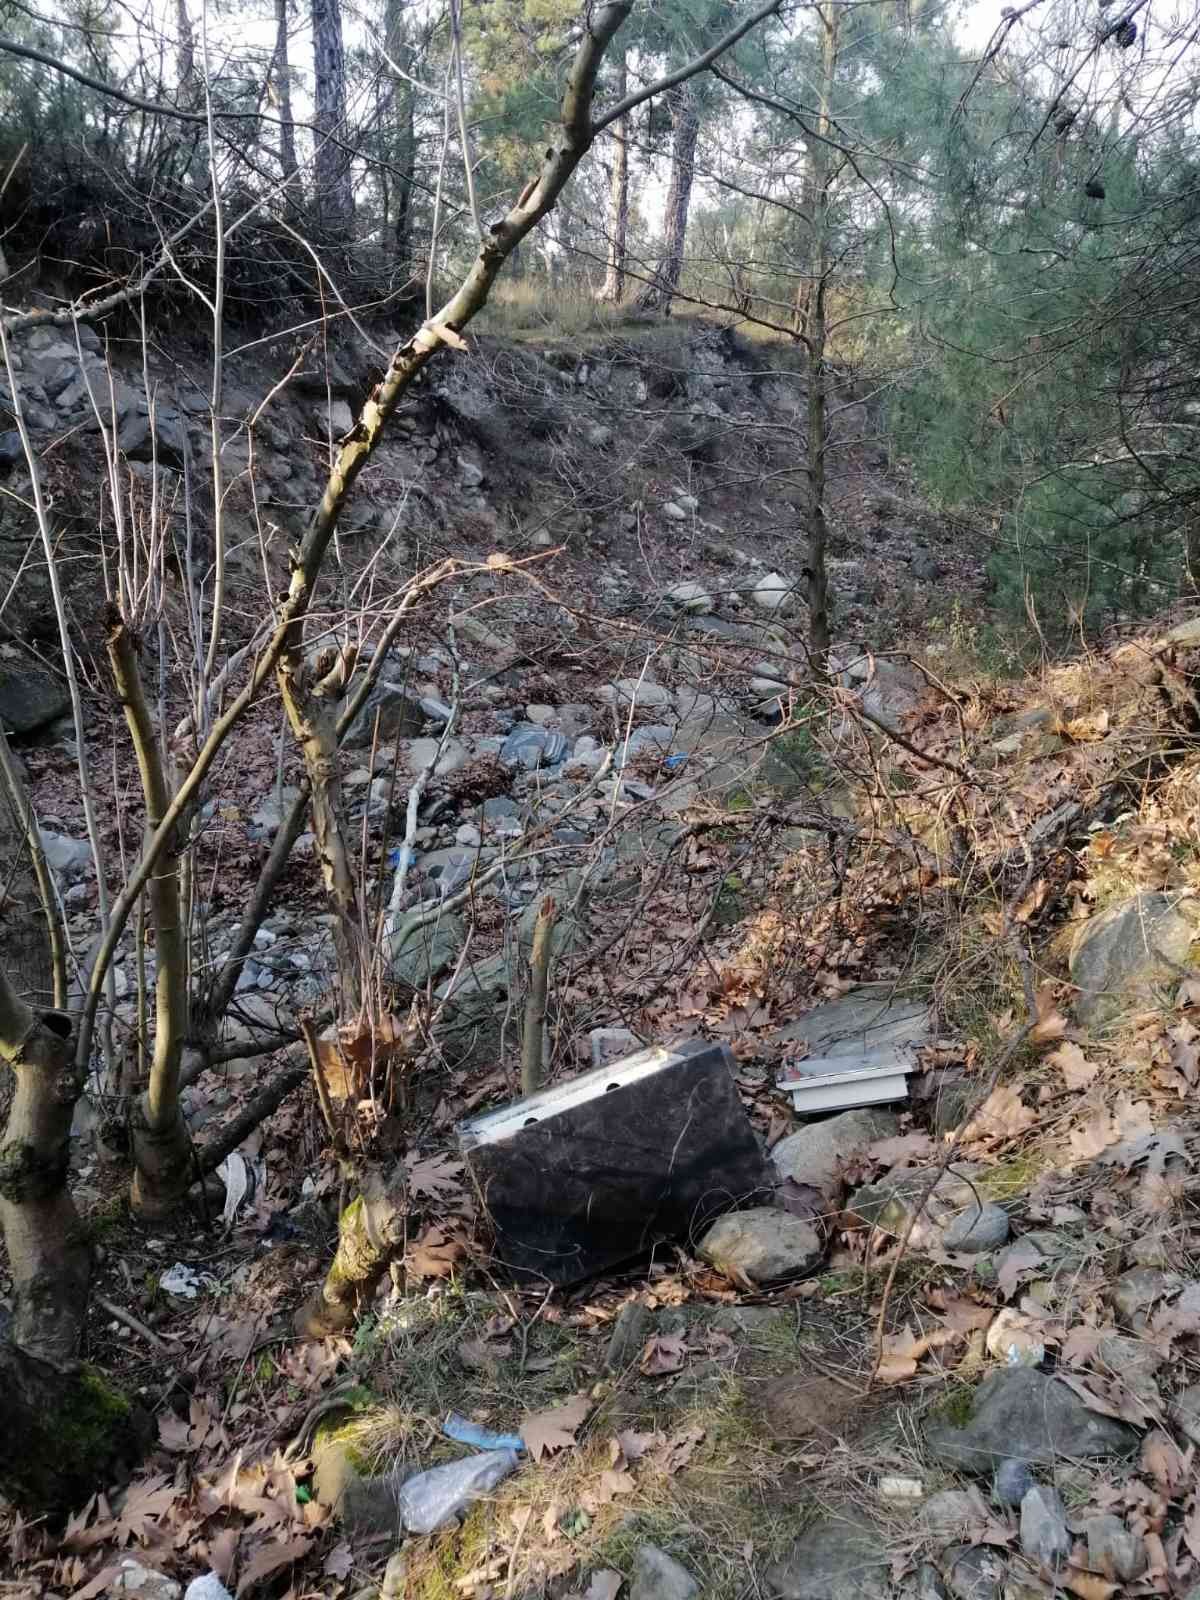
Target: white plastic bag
(434, 1498)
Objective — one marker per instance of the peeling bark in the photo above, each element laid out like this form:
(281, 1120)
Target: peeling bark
(371, 1229)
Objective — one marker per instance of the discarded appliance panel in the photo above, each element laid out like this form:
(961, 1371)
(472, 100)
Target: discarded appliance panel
(590, 1173)
(836, 1083)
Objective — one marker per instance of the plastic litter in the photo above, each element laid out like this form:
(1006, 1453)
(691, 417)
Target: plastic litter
(185, 1281)
(674, 762)
(209, 1587)
(434, 1498)
(464, 1431)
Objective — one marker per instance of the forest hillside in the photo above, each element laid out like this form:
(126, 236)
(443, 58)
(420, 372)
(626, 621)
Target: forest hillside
(599, 848)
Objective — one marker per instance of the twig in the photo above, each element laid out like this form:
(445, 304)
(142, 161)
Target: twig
(939, 1172)
(119, 1314)
(322, 1083)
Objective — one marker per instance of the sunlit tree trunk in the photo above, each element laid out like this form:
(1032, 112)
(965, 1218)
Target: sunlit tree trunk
(331, 163)
(813, 330)
(685, 117)
(618, 198)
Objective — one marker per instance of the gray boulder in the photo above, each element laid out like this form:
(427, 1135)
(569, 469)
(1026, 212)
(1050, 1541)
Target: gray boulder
(818, 1154)
(68, 857)
(658, 1576)
(1020, 1412)
(1132, 955)
(421, 953)
(761, 1245)
(861, 1021)
(400, 716)
(30, 696)
(841, 1557)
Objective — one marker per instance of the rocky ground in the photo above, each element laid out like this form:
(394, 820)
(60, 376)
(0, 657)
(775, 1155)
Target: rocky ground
(949, 1352)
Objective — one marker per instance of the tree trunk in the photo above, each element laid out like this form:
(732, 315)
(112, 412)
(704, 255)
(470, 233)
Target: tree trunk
(185, 53)
(31, 934)
(618, 199)
(685, 118)
(162, 1148)
(405, 154)
(281, 80)
(331, 163)
(67, 1430)
(371, 1228)
(814, 334)
(310, 696)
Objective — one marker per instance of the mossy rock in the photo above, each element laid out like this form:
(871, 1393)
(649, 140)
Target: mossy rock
(77, 1432)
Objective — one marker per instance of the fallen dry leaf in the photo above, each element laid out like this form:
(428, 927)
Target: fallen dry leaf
(1001, 1116)
(436, 1177)
(1078, 1072)
(902, 1351)
(269, 1558)
(664, 1352)
(547, 1432)
(1088, 1585)
(905, 1149)
(434, 1255)
(1164, 1461)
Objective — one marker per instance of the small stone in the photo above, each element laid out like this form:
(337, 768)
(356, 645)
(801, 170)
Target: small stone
(839, 1557)
(1044, 1535)
(1012, 1481)
(71, 857)
(132, 1578)
(819, 1153)
(1185, 1413)
(638, 691)
(539, 715)
(422, 753)
(761, 1245)
(1137, 1290)
(925, 1584)
(658, 1576)
(207, 1587)
(628, 1338)
(1113, 1550)
(774, 592)
(974, 1572)
(978, 1228)
(951, 1513)
(692, 598)
(688, 503)
(531, 747)
(436, 710)
(598, 436)
(468, 835)
(674, 512)
(612, 1044)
